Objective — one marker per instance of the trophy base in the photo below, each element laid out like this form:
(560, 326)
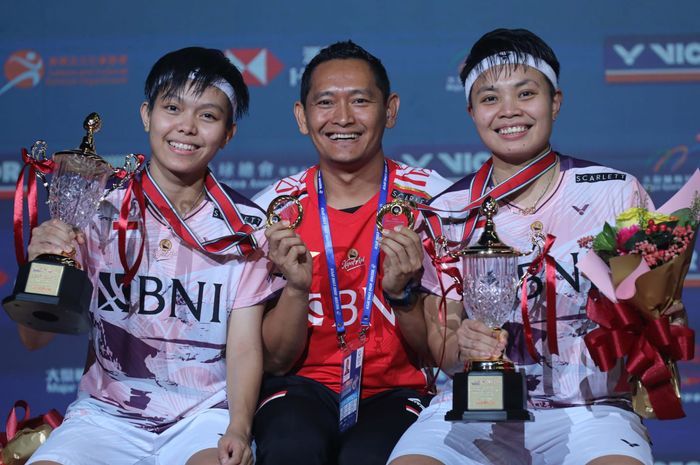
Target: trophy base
(491, 391)
(50, 296)
(489, 415)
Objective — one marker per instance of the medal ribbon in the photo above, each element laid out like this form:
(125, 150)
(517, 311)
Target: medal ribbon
(478, 191)
(34, 166)
(330, 260)
(240, 239)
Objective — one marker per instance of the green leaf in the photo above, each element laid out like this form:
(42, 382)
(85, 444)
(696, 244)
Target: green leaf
(605, 240)
(685, 217)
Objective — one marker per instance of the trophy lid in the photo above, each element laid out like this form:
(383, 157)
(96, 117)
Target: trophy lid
(489, 244)
(92, 124)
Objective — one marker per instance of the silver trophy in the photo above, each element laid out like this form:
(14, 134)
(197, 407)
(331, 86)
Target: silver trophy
(490, 389)
(52, 293)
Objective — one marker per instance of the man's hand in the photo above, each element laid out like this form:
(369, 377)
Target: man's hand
(234, 449)
(403, 259)
(290, 255)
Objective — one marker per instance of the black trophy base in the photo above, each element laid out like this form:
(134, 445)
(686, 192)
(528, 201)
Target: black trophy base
(50, 295)
(489, 392)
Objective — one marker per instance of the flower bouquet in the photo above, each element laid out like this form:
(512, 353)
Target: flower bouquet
(638, 267)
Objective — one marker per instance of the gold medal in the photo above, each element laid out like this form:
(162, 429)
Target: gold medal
(395, 210)
(285, 207)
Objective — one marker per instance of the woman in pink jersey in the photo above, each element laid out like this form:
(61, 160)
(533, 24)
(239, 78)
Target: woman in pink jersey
(165, 345)
(513, 97)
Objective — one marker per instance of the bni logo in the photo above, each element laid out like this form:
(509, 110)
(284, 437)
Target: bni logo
(23, 69)
(257, 65)
(652, 59)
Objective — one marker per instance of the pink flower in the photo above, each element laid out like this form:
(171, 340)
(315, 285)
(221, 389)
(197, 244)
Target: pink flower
(624, 234)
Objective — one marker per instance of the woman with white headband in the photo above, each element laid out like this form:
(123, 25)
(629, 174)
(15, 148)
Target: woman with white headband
(546, 200)
(185, 316)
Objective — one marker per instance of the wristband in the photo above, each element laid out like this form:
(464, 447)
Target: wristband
(407, 298)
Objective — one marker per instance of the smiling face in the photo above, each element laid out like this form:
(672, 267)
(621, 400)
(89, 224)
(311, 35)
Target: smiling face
(513, 111)
(345, 113)
(185, 132)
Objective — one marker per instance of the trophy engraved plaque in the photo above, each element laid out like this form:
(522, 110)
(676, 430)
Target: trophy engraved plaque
(490, 389)
(285, 207)
(395, 213)
(52, 293)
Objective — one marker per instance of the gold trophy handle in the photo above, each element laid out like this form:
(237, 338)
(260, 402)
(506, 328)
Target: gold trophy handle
(396, 208)
(273, 217)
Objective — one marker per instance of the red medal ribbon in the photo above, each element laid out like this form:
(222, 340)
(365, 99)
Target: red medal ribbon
(241, 233)
(546, 260)
(478, 191)
(34, 166)
(646, 343)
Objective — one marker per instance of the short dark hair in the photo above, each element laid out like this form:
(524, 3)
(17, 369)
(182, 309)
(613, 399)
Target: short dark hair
(519, 41)
(170, 76)
(346, 50)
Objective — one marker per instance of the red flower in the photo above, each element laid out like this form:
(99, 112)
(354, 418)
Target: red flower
(624, 234)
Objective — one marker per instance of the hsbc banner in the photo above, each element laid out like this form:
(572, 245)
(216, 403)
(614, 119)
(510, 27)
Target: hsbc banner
(631, 86)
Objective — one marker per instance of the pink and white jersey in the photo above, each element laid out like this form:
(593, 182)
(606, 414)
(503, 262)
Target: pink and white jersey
(585, 197)
(159, 344)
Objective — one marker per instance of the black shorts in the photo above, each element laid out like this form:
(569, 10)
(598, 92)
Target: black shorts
(297, 423)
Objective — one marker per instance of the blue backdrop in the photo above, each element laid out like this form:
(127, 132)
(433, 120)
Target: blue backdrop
(630, 76)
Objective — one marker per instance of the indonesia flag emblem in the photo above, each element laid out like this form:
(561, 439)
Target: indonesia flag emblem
(257, 65)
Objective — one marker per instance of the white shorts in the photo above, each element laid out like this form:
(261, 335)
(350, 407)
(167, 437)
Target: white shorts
(93, 437)
(566, 436)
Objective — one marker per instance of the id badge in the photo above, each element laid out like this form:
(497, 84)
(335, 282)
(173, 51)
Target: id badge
(350, 382)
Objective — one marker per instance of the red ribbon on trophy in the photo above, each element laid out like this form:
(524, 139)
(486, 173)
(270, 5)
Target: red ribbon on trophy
(546, 260)
(133, 188)
(34, 166)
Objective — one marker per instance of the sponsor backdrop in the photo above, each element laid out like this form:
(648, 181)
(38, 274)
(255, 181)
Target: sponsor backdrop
(630, 76)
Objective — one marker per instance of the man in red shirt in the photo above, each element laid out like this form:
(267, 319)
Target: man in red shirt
(346, 377)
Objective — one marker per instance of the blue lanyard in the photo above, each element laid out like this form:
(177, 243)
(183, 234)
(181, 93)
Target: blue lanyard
(330, 260)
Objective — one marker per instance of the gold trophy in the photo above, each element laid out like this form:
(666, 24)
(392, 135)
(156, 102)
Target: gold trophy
(285, 207)
(390, 215)
(490, 389)
(52, 293)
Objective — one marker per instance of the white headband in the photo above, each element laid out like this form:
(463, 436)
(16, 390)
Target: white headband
(224, 87)
(509, 58)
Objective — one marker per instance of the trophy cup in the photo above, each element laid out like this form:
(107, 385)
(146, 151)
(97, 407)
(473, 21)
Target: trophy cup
(490, 390)
(52, 293)
(393, 214)
(285, 207)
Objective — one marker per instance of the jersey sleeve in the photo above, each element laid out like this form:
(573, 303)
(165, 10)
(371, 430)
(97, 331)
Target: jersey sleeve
(257, 283)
